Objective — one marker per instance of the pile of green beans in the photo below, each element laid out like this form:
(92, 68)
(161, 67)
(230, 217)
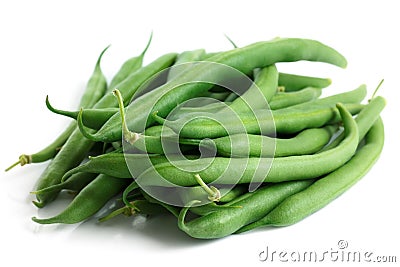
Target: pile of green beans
(223, 141)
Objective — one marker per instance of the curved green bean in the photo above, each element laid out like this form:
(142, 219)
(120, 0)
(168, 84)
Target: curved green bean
(300, 205)
(244, 170)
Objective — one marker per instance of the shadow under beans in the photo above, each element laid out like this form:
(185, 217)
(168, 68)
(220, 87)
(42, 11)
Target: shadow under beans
(159, 231)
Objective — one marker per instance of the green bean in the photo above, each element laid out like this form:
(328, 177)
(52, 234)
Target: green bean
(292, 82)
(322, 192)
(249, 145)
(129, 66)
(89, 201)
(224, 222)
(95, 89)
(76, 183)
(283, 100)
(245, 60)
(119, 165)
(365, 119)
(76, 147)
(286, 121)
(244, 170)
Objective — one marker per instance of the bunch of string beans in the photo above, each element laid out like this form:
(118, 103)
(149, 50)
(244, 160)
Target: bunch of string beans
(223, 141)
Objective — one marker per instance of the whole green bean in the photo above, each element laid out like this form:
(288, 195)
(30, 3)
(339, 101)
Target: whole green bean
(322, 192)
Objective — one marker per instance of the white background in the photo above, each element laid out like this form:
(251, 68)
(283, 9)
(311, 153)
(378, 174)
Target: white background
(50, 47)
